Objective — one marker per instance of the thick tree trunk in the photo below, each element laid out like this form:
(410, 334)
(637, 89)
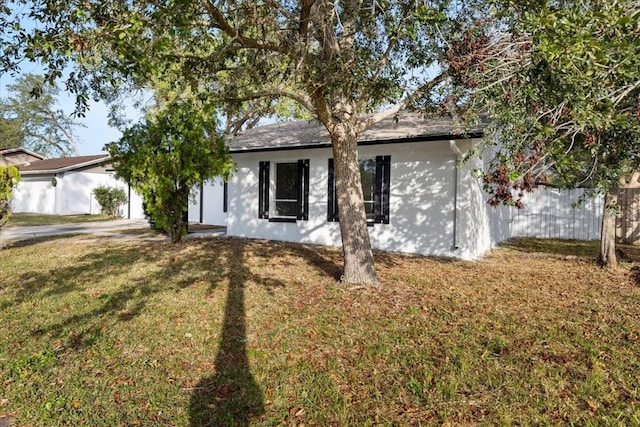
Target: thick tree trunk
(356, 246)
(338, 111)
(608, 233)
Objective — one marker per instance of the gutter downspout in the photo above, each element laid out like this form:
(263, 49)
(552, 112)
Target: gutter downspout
(456, 216)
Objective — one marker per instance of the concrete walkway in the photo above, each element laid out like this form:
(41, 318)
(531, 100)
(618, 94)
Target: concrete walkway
(115, 228)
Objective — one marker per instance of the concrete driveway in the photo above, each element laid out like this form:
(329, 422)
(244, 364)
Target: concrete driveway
(95, 227)
(114, 228)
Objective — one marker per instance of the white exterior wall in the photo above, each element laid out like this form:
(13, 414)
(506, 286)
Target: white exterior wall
(213, 198)
(72, 195)
(422, 217)
(35, 194)
(76, 192)
(134, 209)
(194, 205)
(482, 226)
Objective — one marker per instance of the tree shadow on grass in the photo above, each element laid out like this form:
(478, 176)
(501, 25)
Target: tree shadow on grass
(84, 270)
(231, 396)
(141, 268)
(635, 275)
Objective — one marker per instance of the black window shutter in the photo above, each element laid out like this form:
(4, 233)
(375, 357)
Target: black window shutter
(201, 202)
(332, 199)
(303, 189)
(225, 197)
(263, 190)
(382, 191)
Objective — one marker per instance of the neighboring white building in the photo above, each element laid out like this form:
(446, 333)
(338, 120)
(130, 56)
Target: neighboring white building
(64, 186)
(419, 197)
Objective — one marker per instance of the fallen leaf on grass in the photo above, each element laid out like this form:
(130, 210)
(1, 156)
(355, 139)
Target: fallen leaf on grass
(296, 411)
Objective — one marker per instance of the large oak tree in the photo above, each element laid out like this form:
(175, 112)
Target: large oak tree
(561, 83)
(348, 64)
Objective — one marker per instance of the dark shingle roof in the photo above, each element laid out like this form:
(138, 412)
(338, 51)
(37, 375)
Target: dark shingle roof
(63, 163)
(303, 134)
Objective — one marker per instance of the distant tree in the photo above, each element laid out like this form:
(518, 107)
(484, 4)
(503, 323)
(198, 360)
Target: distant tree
(11, 134)
(166, 155)
(560, 81)
(30, 118)
(9, 178)
(110, 199)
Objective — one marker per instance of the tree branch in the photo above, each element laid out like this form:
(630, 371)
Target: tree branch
(247, 42)
(384, 59)
(302, 99)
(277, 5)
(377, 117)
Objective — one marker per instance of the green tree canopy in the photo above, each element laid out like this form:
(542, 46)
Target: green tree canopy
(30, 118)
(11, 135)
(560, 81)
(164, 156)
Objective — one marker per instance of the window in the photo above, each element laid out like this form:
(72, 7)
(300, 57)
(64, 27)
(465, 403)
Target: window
(368, 180)
(286, 200)
(375, 175)
(290, 184)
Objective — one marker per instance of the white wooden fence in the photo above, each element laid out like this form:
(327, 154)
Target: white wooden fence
(550, 213)
(628, 224)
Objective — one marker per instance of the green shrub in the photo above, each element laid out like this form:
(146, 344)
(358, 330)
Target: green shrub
(110, 199)
(168, 153)
(9, 178)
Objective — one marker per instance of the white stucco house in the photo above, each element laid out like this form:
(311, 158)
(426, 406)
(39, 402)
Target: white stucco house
(64, 186)
(419, 197)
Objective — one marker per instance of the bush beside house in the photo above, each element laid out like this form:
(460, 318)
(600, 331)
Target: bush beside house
(9, 177)
(110, 199)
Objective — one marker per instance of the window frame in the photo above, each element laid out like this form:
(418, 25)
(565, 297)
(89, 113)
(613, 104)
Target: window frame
(274, 188)
(267, 184)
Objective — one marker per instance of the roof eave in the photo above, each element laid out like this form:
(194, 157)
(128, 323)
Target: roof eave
(26, 151)
(66, 168)
(401, 140)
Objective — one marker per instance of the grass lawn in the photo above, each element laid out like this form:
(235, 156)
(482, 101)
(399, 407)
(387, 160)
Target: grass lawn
(239, 332)
(40, 219)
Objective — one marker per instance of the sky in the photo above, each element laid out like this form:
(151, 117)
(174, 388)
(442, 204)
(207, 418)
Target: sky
(96, 132)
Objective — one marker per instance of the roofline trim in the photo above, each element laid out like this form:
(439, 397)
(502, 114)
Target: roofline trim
(66, 168)
(413, 139)
(25, 150)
